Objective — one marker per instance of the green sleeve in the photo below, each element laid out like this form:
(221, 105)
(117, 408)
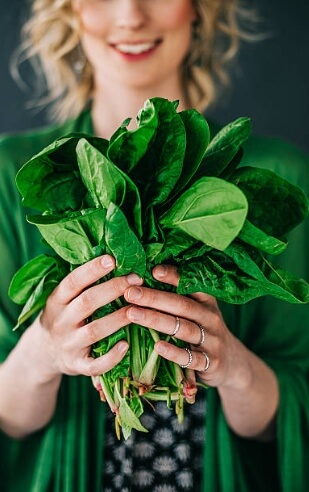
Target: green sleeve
(66, 456)
(277, 332)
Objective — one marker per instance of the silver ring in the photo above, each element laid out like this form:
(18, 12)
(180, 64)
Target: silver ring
(207, 364)
(184, 366)
(177, 326)
(203, 335)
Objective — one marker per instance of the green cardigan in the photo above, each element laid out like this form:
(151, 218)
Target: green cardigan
(67, 455)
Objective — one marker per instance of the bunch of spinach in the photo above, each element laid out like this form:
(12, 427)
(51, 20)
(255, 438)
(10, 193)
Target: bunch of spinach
(162, 193)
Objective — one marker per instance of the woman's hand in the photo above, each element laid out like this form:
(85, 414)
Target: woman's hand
(69, 336)
(195, 319)
(59, 342)
(247, 386)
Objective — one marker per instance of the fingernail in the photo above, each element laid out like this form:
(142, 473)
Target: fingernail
(160, 348)
(134, 293)
(122, 347)
(135, 314)
(160, 271)
(107, 261)
(132, 279)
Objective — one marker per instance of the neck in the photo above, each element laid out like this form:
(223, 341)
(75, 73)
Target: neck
(111, 106)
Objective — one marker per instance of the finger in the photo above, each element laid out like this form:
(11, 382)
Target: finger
(90, 366)
(82, 277)
(91, 299)
(180, 328)
(193, 359)
(101, 328)
(167, 274)
(168, 302)
(204, 298)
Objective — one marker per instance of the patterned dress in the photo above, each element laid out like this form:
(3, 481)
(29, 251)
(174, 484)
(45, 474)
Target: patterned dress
(166, 459)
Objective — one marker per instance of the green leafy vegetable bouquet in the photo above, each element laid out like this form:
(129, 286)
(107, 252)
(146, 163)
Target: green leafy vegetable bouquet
(160, 193)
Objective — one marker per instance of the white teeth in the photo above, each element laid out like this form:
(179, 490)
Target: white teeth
(135, 49)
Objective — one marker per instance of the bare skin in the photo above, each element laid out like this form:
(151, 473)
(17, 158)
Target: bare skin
(122, 85)
(248, 388)
(59, 343)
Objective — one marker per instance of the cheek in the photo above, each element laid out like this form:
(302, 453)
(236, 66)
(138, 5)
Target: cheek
(92, 22)
(178, 16)
(179, 28)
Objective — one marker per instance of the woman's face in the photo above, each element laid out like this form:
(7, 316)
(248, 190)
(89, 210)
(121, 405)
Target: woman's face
(137, 43)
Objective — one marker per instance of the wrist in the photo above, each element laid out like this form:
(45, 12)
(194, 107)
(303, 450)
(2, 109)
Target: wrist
(240, 374)
(35, 355)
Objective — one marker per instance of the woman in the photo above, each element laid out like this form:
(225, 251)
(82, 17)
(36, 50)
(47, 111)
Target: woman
(112, 56)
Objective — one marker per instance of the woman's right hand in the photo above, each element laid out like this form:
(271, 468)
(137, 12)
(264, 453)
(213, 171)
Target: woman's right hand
(59, 342)
(68, 336)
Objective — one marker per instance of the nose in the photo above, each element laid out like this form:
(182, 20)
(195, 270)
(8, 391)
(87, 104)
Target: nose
(131, 14)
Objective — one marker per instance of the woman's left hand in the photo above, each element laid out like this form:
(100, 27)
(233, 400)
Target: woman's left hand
(247, 386)
(195, 319)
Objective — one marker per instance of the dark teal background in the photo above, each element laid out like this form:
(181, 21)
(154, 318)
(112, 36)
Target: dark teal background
(270, 79)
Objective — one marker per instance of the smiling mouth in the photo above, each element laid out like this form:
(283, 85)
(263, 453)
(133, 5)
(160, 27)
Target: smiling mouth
(136, 48)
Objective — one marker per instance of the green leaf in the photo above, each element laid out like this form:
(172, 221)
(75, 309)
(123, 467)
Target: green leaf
(128, 419)
(237, 276)
(274, 280)
(212, 211)
(219, 277)
(160, 193)
(122, 369)
(73, 237)
(197, 140)
(28, 276)
(46, 185)
(50, 180)
(129, 252)
(41, 288)
(102, 179)
(225, 146)
(276, 206)
(127, 147)
(176, 242)
(107, 183)
(160, 168)
(104, 345)
(252, 235)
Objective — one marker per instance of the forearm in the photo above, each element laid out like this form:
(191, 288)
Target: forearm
(250, 399)
(28, 389)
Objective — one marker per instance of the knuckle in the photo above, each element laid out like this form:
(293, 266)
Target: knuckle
(91, 332)
(217, 346)
(217, 365)
(57, 326)
(117, 285)
(67, 367)
(84, 301)
(216, 320)
(193, 330)
(90, 368)
(95, 267)
(67, 285)
(149, 295)
(187, 307)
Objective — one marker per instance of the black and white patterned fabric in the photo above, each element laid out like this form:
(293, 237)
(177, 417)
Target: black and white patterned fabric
(166, 459)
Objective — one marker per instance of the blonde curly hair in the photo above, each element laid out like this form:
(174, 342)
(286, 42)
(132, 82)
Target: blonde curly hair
(51, 41)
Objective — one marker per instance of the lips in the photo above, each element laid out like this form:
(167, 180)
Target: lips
(136, 48)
